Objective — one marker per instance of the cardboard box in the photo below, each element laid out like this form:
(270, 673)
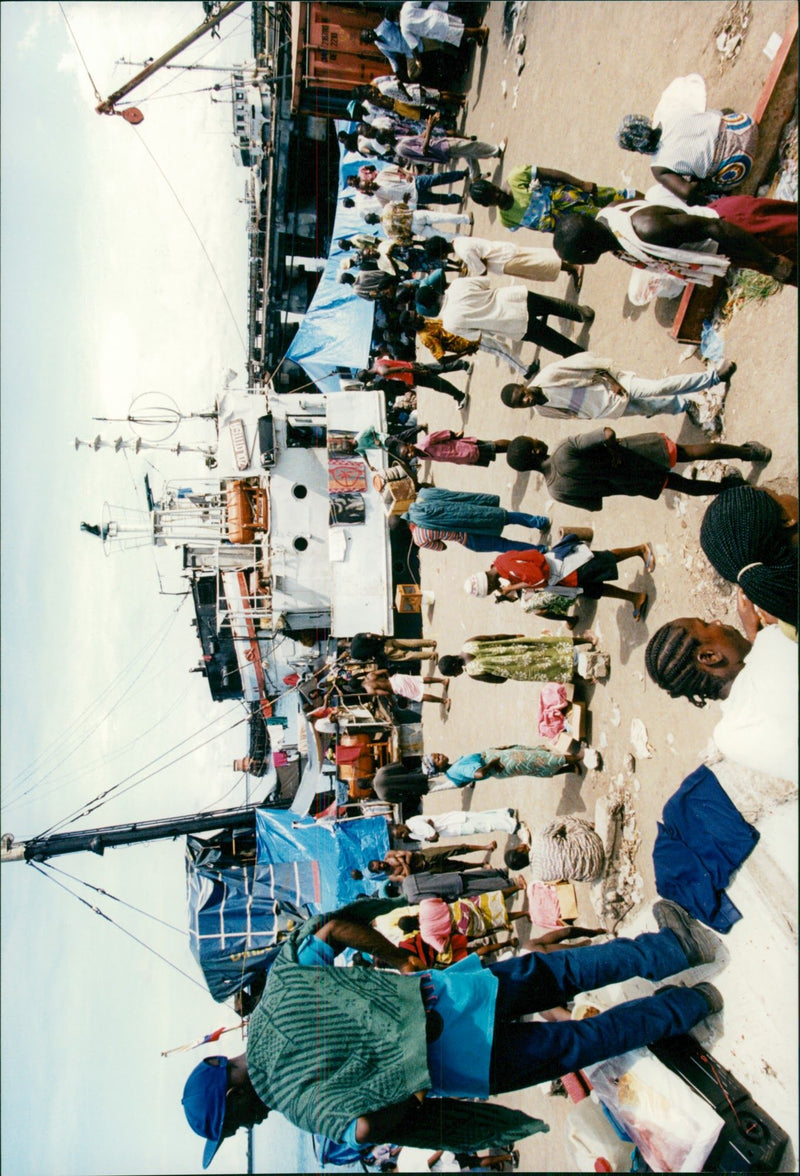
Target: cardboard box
(575, 719)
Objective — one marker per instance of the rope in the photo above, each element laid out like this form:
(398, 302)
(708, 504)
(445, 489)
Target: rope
(114, 898)
(567, 849)
(215, 44)
(102, 797)
(197, 235)
(97, 93)
(124, 930)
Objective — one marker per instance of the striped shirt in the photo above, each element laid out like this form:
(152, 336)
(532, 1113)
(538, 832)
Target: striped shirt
(433, 539)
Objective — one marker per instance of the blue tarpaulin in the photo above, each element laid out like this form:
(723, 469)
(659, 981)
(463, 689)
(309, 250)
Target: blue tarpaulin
(239, 913)
(337, 327)
(336, 846)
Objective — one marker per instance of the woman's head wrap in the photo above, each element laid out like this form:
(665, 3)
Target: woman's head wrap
(477, 585)
(743, 537)
(435, 925)
(637, 133)
(428, 766)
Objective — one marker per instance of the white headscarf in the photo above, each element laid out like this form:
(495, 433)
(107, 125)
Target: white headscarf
(477, 585)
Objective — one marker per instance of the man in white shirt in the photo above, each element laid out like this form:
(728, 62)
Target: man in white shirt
(481, 256)
(588, 387)
(471, 307)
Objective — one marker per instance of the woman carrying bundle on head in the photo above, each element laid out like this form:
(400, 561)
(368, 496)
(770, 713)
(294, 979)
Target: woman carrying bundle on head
(566, 571)
(694, 153)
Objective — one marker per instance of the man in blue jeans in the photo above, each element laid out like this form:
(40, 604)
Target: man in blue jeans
(355, 1053)
(439, 516)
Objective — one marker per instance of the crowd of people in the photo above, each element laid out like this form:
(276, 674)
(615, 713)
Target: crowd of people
(387, 1050)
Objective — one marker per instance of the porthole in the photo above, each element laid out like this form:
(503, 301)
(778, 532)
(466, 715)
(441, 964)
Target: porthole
(300, 491)
(300, 543)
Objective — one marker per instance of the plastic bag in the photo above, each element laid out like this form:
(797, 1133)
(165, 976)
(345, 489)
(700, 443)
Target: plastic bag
(673, 1127)
(645, 285)
(591, 1138)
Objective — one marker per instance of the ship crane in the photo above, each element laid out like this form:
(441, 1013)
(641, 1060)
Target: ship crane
(106, 105)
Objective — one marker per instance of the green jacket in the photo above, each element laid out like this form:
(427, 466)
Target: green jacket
(326, 1045)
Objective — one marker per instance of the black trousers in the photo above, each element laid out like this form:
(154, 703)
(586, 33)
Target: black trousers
(539, 307)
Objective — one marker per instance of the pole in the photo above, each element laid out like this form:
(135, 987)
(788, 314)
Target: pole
(39, 849)
(107, 106)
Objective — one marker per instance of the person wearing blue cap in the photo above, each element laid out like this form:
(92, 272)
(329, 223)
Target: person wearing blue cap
(354, 1053)
(218, 1099)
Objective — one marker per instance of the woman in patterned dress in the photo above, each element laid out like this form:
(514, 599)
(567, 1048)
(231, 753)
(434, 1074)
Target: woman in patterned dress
(512, 655)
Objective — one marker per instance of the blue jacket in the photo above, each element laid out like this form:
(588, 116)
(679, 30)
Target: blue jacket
(702, 840)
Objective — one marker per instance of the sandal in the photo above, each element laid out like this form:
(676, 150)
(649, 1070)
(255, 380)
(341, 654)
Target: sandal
(650, 561)
(640, 611)
(756, 452)
(577, 277)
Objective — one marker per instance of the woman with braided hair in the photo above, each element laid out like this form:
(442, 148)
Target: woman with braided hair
(750, 538)
(755, 683)
(695, 659)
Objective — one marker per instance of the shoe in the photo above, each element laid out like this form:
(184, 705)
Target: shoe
(587, 314)
(592, 760)
(756, 452)
(501, 147)
(711, 995)
(532, 369)
(698, 945)
(463, 402)
(523, 833)
(726, 371)
(732, 479)
(639, 613)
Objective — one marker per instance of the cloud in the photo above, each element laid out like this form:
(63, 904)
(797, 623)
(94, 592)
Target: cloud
(27, 41)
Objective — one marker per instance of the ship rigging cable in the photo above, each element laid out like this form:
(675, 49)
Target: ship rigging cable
(124, 930)
(115, 898)
(97, 802)
(99, 98)
(192, 65)
(92, 765)
(197, 235)
(97, 93)
(58, 748)
(118, 790)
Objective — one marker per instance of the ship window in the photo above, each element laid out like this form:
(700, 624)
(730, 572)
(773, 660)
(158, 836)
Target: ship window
(300, 543)
(299, 490)
(305, 436)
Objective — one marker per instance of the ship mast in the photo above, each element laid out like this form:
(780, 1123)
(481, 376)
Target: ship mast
(39, 849)
(107, 105)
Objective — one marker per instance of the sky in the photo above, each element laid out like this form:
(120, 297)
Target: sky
(107, 294)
